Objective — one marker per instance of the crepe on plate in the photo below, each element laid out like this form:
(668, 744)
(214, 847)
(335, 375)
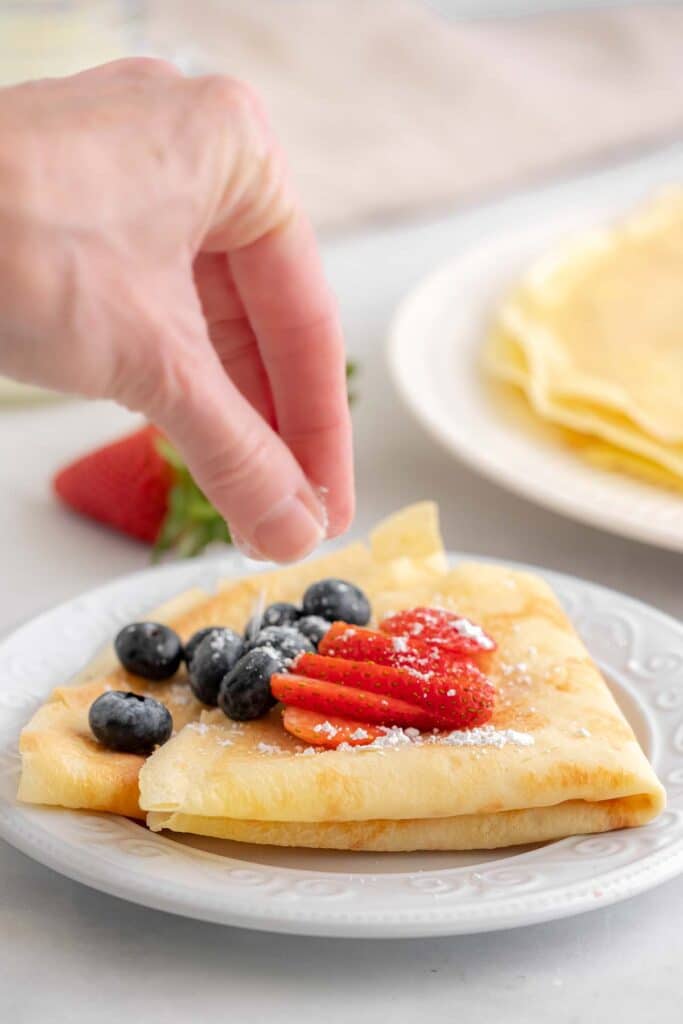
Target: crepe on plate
(558, 758)
(561, 758)
(63, 765)
(593, 336)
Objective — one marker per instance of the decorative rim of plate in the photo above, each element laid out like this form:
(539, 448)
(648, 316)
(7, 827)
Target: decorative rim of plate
(451, 333)
(641, 648)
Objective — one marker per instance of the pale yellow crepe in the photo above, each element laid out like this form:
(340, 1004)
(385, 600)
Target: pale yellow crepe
(61, 762)
(594, 337)
(63, 765)
(559, 759)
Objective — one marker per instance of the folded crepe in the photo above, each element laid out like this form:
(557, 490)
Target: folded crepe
(593, 336)
(62, 763)
(558, 757)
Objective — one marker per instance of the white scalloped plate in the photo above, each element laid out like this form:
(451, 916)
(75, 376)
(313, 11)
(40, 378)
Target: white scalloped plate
(434, 355)
(350, 894)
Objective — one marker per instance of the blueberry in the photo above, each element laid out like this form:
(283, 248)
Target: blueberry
(337, 600)
(281, 613)
(149, 649)
(129, 722)
(285, 640)
(195, 640)
(314, 627)
(245, 692)
(216, 655)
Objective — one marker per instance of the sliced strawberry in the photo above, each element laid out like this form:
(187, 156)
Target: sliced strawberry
(347, 702)
(437, 626)
(459, 700)
(328, 731)
(358, 644)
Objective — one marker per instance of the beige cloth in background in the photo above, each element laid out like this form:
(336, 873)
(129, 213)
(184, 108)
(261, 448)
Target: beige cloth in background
(385, 107)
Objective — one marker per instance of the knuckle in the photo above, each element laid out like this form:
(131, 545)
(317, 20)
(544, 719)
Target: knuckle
(325, 426)
(162, 380)
(148, 67)
(241, 465)
(231, 97)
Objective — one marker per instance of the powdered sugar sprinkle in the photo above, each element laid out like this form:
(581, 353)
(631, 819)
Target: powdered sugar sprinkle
(199, 727)
(326, 729)
(473, 632)
(268, 748)
(484, 736)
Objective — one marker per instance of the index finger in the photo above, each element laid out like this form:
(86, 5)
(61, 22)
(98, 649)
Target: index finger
(294, 317)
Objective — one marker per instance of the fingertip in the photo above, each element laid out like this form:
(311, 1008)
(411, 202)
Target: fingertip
(288, 531)
(341, 518)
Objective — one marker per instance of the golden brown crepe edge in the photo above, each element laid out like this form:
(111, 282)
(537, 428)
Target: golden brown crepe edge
(116, 788)
(464, 832)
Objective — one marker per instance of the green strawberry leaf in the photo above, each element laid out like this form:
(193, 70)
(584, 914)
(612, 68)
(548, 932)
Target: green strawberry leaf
(352, 371)
(191, 521)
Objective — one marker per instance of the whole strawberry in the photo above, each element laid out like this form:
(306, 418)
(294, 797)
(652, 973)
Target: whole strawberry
(140, 486)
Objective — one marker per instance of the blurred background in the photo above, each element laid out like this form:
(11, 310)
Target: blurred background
(447, 99)
(53, 37)
(416, 129)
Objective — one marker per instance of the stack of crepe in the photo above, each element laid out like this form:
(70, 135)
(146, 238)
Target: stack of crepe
(557, 759)
(593, 336)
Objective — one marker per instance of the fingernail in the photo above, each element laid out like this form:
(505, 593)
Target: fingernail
(244, 546)
(291, 529)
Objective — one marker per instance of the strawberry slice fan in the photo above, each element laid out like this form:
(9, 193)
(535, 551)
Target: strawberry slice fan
(363, 681)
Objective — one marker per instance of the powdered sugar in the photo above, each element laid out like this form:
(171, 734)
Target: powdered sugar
(326, 729)
(473, 632)
(400, 644)
(484, 736)
(487, 736)
(393, 736)
(218, 641)
(256, 617)
(321, 493)
(180, 693)
(519, 672)
(199, 727)
(268, 748)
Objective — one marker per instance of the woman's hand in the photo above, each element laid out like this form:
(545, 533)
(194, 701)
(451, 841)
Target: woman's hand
(153, 252)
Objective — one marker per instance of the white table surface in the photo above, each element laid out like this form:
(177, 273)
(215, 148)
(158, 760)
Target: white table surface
(71, 954)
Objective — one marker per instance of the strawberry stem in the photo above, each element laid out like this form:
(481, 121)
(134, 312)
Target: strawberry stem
(191, 521)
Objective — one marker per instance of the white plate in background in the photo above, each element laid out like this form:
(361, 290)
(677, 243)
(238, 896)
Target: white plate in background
(434, 354)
